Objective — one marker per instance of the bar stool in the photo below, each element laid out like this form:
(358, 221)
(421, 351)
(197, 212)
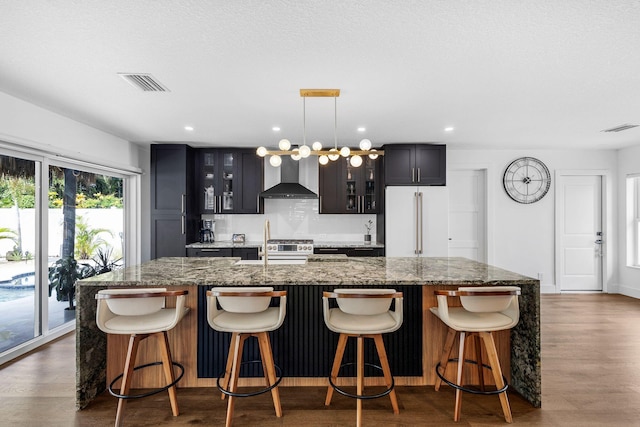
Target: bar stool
(362, 313)
(140, 313)
(484, 310)
(246, 313)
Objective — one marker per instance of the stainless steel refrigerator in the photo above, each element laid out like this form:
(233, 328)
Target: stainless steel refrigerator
(417, 221)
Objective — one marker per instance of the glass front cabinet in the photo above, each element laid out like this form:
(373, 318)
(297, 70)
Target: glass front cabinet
(348, 189)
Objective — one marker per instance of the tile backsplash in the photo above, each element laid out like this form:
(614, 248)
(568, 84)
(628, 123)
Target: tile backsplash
(296, 219)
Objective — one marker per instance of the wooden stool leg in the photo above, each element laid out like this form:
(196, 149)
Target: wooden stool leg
(446, 355)
(167, 366)
(492, 354)
(337, 361)
(238, 345)
(478, 344)
(227, 369)
(267, 355)
(458, 404)
(129, 364)
(384, 363)
(359, 379)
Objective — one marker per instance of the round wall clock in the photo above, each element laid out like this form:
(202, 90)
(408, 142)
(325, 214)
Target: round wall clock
(526, 180)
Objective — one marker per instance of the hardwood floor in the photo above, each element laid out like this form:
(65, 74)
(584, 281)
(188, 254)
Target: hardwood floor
(590, 377)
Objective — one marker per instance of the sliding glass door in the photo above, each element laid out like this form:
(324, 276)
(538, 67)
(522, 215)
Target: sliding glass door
(19, 293)
(86, 232)
(49, 239)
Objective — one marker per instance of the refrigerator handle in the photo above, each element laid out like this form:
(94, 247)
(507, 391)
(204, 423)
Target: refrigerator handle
(417, 217)
(420, 235)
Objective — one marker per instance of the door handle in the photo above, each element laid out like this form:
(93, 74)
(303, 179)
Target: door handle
(418, 174)
(413, 174)
(598, 242)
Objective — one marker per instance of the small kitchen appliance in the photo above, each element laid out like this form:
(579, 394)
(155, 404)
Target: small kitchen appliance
(207, 231)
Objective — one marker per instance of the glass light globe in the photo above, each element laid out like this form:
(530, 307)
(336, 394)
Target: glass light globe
(373, 156)
(323, 160)
(316, 146)
(355, 161)
(275, 161)
(305, 151)
(365, 145)
(345, 151)
(295, 154)
(284, 144)
(261, 151)
(334, 157)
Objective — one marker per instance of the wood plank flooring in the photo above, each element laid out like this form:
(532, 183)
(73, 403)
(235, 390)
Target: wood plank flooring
(590, 377)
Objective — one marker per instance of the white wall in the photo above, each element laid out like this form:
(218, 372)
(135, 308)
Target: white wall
(629, 277)
(522, 236)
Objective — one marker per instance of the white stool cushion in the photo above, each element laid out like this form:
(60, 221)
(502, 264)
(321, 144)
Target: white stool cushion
(346, 323)
(244, 304)
(364, 306)
(149, 323)
(267, 320)
(474, 322)
(486, 304)
(133, 306)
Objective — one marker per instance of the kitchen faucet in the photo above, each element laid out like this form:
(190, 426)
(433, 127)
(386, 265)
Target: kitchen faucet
(266, 235)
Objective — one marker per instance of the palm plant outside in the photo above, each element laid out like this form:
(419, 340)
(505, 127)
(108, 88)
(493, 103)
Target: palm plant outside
(88, 239)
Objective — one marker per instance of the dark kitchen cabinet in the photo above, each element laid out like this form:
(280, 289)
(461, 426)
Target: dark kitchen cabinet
(345, 189)
(351, 251)
(415, 164)
(174, 217)
(244, 253)
(230, 181)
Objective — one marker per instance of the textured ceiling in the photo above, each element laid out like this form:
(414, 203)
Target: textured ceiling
(505, 74)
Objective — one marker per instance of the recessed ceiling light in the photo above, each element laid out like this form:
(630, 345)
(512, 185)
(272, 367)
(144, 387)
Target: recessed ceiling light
(448, 129)
(188, 128)
(361, 129)
(275, 129)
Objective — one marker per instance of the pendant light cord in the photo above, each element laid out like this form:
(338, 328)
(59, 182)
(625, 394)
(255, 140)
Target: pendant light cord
(335, 122)
(304, 120)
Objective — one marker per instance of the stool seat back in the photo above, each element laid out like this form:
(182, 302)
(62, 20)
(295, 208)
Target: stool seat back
(244, 303)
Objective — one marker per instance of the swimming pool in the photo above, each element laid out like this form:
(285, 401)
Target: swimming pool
(20, 286)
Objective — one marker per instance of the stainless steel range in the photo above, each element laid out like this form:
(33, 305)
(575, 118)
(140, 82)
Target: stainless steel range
(289, 248)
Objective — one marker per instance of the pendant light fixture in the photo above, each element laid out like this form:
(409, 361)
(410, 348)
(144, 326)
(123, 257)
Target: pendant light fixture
(324, 156)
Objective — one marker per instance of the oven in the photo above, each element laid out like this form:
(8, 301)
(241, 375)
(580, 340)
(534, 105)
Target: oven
(289, 248)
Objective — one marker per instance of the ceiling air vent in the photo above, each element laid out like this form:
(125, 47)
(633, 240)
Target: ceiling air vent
(144, 82)
(620, 128)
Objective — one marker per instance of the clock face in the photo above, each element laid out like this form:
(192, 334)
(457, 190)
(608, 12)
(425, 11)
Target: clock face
(526, 180)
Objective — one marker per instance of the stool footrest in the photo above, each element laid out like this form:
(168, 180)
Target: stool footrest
(470, 390)
(362, 396)
(152, 392)
(253, 393)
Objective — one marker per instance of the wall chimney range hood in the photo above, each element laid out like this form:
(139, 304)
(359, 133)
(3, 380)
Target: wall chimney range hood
(289, 187)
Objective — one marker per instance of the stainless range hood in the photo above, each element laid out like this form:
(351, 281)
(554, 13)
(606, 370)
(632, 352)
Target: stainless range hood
(289, 187)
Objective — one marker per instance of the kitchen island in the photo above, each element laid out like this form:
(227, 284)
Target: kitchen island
(306, 345)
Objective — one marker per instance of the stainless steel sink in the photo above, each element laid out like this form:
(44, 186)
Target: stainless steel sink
(272, 262)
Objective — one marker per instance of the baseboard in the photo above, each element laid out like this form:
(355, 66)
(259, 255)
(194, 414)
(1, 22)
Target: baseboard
(548, 289)
(628, 291)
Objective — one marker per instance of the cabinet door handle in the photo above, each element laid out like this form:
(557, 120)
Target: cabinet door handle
(182, 224)
(258, 203)
(210, 250)
(327, 249)
(418, 174)
(182, 197)
(413, 174)
(320, 204)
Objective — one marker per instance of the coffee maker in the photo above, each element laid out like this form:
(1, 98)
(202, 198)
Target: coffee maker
(207, 231)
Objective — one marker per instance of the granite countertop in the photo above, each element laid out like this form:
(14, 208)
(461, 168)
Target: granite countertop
(352, 271)
(257, 244)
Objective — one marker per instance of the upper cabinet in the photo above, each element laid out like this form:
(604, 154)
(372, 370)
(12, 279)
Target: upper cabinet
(230, 181)
(347, 189)
(415, 164)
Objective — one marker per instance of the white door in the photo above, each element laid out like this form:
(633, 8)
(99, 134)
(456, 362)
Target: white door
(467, 214)
(580, 233)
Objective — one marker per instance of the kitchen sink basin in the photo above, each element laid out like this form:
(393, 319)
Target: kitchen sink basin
(271, 262)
